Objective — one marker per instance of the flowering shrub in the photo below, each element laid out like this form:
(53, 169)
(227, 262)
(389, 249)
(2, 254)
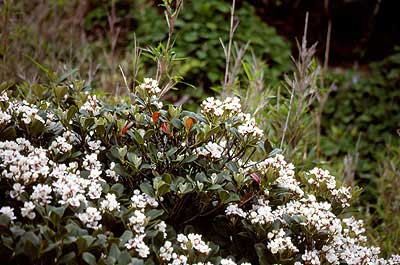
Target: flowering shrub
(86, 180)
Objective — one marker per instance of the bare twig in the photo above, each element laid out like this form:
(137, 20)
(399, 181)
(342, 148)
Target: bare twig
(232, 29)
(292, 84)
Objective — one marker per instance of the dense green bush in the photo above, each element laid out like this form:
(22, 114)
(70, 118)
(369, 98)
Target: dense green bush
(199, 28)
(72, 166)
(364, 109)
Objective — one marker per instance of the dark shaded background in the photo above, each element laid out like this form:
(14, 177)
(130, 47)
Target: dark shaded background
(362, 30)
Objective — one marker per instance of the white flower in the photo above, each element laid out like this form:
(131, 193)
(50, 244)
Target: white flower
(162, 227)
(41, 194)
(139, 246)
(92, 105)
(110, 203)
(142, 200)
(90, 218)
(198, 244)
(60, 145)
(233, 209)
(18, 189)
(5, 118)
(95, 190)
(213, 149)
(311, 257)
(95, 145)
(178, 259)
(227, 262)
(3, 96)
(27, 210)
(166, 251)
(111, 173)
(150, 86)
(279, 242)
(7, 210)
(138, 221)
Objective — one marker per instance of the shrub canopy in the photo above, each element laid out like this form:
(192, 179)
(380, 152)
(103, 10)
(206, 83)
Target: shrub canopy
(86, 180)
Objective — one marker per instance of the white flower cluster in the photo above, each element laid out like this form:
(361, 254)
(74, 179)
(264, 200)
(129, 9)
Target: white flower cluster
(63, 144)
(231, 262)
(286, 178)
(166, 251)
(74, 189)
(319, 177)
(346, 237)
(142, 200)
(7, 210)
(261, 213)
(234, 209)
(21, 109)
(23, 163)
(137, 243)
(92, 105)
(41, 194)
(3, 96)
(280, 242)
(162, 227)
(26, 111)
(111, 172)
(193, 241)
(231, 107)
(150, 86)
(110, 203)
(27, 210)
(31, 172)
(167, 254)
(249, 126)
(69, 185)
(210, 149)
(311, 257)
(91, 217)
(5, 118)
(95, 145)
(138, 221)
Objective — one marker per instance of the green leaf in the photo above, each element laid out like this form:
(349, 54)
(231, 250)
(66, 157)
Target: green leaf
(4, 220)
(8, 133)
(233, 197)
(171, 151)
(135, 159)
(66, 75)
(177, 123)
(118, 188)
(261, 251)
(124, 258)
(122, 152)
(147, 188)
(89, 258)
(114, 251)
(154, 213)
(67, 258)
(189, 159)
(125, 238)
(71, 112)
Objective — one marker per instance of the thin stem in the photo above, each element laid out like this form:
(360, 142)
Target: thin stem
(228, 52)
(287, 118)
